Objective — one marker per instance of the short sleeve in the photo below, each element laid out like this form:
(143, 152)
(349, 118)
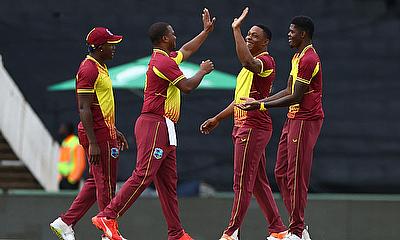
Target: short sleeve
(86, 77)
(177, 56)
(168, 70)
(308, 68)
(267, 65)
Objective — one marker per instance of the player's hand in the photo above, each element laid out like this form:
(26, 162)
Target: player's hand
(122, 143)
(208, 23)
(238, 21)
(207, 66)
(94, 153)
(248, 104)
(207, 126)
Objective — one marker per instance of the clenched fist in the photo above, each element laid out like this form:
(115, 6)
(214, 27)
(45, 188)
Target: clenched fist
(207, 66)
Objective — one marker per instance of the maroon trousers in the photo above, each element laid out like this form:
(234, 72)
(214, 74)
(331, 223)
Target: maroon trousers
(100, 184)
(250, 178)
(293, 167)
(156, 161)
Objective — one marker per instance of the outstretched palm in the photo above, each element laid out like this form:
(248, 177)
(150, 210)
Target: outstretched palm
(248, 104)
(208, 23)
(238, 21)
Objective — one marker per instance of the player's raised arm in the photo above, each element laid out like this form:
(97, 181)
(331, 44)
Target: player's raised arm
(242, 50)
(193, 45)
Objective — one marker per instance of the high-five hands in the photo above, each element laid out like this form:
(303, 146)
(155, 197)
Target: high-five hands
(238, 21)
(248, 104)
(208, 23)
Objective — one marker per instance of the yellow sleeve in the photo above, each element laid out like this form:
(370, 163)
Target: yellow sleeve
(179, 57)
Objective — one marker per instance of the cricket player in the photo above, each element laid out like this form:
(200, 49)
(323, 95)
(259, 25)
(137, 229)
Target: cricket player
(155, 131)
(96, 131)
(300, 132)
(252, 130)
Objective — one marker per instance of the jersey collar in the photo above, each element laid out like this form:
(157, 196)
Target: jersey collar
(157, 50)
(95, 61)
(305, 49)
(263, 53)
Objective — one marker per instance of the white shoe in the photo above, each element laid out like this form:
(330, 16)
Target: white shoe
(234, 236)
(290, 236)
(305, 235)
(62, 230)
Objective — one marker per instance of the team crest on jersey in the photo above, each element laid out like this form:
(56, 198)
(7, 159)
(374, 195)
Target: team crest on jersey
(158, 152)
(114, 152)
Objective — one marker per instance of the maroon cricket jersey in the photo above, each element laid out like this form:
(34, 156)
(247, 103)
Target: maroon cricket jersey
(161, 96)
(257, 86)
(306, 68)
(93, 78)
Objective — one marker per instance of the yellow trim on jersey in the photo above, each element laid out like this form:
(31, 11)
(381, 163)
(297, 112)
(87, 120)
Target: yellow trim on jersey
(305, 50)
(104, 67)
(299, 79)
(263, 73)
(105, 97)
(160, 74)
(159, 94)
(266, 73)
(178, 79)
(178, 59)
(244, 81)
(160, 51)
(263, 53)
(295, 67)
(262, 64)
(293, 109)
(172, 104)
(85, 90)
(316, 70)
(306, 81)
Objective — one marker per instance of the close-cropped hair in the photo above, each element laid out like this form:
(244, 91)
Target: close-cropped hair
(266, 30)
(157, 31)
(304, 23)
